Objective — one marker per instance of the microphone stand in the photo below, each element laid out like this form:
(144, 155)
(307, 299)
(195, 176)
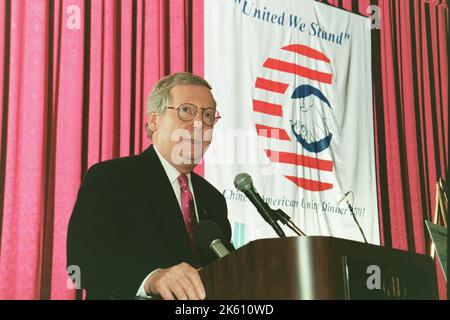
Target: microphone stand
(352, 212)
(354, 218)
(273, 223)
(286, 220)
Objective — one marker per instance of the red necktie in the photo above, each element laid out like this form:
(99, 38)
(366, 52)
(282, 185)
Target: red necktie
(187, 206)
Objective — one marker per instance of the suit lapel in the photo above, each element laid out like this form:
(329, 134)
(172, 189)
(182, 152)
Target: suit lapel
(165, 206)
(207, 208)
(206, 211)
(202, 209)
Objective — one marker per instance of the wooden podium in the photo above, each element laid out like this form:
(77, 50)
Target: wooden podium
(319, 268)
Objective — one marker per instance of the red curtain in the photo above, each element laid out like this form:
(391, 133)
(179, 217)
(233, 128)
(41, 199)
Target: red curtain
(74, 76)
(74, 95)
(410, 89)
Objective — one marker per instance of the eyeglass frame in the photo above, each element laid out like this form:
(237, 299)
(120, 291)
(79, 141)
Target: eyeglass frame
(216, 119)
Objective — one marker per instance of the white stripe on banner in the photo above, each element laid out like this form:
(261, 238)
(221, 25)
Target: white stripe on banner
(293, 84)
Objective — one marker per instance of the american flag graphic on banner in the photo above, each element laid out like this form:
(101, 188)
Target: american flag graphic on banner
(292, 81)
(310, 129)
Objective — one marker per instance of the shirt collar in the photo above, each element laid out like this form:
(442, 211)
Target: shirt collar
(170, 170)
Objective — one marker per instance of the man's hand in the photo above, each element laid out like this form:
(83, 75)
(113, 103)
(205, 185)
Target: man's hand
(180, 282)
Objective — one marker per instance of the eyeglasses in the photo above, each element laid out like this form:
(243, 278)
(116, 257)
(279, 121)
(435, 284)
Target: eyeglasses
(187, 112)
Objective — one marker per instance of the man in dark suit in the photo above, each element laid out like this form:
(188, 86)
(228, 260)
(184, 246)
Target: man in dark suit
(131, 228)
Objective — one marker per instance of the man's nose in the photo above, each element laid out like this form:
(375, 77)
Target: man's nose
(199, 116)
(198, 119)
(198, 124)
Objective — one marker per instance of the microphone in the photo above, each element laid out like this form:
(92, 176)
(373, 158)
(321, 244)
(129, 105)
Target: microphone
(352, 213)
(343, 198)
(208, 236)
(243, 182)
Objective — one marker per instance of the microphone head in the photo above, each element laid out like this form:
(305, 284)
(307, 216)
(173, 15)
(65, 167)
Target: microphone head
(243, 182)
(206, 232)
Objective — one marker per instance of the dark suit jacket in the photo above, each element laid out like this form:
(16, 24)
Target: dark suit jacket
(127, 222)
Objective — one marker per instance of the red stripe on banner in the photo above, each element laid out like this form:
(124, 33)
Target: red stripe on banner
(270, 85)
(310, 185)
(268, 108)
(300, 160)
(306, 51)
(304, 72)
(273, 133)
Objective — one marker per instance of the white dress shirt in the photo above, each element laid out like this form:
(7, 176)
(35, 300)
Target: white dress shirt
(172, 175)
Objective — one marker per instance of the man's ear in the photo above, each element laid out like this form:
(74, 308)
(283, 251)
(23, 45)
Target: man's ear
(152, 121)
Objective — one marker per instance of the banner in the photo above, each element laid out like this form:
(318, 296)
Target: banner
(292, 81)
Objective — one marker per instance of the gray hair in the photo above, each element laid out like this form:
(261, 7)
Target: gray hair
(158, 99)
